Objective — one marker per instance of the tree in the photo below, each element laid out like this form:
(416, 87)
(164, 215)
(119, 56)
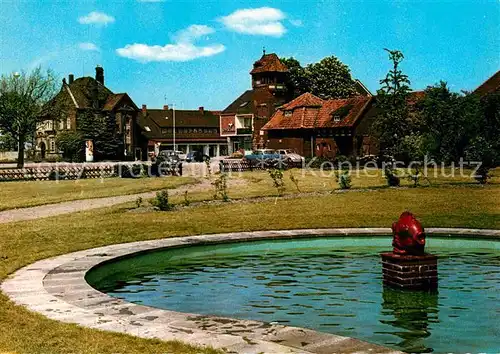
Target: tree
(484, 147)
(394, 126)
(298, 81)
(71, 143)
(327, 79)
(21, 99)
(449, 122)
(102, 130)
(7, 142)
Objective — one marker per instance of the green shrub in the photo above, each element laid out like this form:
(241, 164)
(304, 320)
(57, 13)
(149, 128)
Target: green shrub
(392, 178)
(161, 201)
(278, 183)
(343, 179)
(220, 187)
(295, 181)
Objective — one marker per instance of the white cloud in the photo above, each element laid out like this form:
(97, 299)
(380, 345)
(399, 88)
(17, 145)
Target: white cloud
(88, 46)
(264, 21)
(182, 50)
(170, 52)
(296, 23)
(95, 17)
(192, 33)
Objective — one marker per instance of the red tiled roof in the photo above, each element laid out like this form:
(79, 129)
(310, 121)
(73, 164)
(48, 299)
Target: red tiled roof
(490, 85)
(354, 105)
(308, 111)
(305, 100)
(269, 63)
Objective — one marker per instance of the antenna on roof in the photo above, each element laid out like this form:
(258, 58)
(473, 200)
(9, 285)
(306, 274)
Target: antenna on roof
(263, 50)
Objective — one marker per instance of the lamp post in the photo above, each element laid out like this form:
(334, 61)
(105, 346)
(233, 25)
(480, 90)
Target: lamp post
(173, 121)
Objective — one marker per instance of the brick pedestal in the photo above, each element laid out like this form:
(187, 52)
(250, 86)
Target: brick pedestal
(410, 272)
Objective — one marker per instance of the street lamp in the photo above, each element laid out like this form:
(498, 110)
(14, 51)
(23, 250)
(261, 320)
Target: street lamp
(173, 121)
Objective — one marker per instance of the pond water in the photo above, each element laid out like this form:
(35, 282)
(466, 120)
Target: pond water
(329, 284)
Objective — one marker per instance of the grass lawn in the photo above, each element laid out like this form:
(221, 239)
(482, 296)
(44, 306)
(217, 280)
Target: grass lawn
(444, 205)
(260, 184)
(26, 194)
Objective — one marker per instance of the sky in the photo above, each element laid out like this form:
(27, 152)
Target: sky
(199, 53)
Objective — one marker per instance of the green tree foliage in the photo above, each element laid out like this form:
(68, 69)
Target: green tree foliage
(395, 127)
(298, 82)
(72, 144)
(108, 145)
(449, 122)
(328, 78)
(485, 145)
(22, 96)
(7, 142)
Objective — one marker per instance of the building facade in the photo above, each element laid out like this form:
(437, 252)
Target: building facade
(90, 97)
(314, 127)
(195, 130)
(241, 122)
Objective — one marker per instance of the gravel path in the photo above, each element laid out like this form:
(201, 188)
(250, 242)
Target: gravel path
(44, 211)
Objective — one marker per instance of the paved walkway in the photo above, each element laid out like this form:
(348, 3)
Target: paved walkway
(44, 211)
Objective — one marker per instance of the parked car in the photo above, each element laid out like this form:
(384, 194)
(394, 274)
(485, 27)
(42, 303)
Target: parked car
(266, 158)
(263, 154)
(169, 156)
(197, 156)
(289, 155)
(180, 154)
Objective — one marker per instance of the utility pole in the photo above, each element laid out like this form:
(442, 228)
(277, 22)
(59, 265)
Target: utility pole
(173, 121)
(173, 108)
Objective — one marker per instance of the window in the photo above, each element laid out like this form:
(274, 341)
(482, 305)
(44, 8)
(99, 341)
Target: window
(68, 123)
(148, 129)
(52, 145)
(288, 113)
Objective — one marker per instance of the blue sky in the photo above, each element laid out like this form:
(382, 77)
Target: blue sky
(199, 53)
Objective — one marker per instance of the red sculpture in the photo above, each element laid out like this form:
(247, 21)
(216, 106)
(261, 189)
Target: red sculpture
(408, 235)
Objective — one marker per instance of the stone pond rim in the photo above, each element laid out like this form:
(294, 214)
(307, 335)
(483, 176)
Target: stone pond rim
(56, 287)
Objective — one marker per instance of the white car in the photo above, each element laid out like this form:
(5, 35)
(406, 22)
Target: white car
(182, 155)
(290, 155)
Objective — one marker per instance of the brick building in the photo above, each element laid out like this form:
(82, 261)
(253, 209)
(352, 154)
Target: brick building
(195, 130)
(324, 128)
(241, 122)
(82, 96)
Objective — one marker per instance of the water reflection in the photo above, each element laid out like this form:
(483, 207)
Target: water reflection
(411, 314)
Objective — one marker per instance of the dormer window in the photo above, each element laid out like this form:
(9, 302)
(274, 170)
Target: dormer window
(341, 113)
(288, 113)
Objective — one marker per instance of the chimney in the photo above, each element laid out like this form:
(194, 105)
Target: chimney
(201, 109)
(144, 109)
(99, 74)
(71, 78)
(165, 107)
